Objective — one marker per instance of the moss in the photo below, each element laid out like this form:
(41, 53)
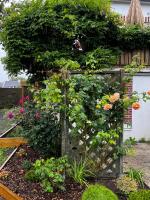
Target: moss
(140, 195)
(98, 192)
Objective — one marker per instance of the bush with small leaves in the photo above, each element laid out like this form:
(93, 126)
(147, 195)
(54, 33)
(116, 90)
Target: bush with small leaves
(30, 176)
(140, 195)
(126, 185)
(98, 192)
(49, 173)
(26, 165)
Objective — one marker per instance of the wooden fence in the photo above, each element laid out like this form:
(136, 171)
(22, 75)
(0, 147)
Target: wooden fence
(146, 19)
(9, 97)
(126, 57)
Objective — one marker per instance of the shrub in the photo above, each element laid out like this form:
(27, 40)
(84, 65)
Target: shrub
(126, 184)
(140, 195)
(50, 173)
(101, 58)
(30, 176)
(26, 165)
(42, 130)
(98, 192)
(52, 26)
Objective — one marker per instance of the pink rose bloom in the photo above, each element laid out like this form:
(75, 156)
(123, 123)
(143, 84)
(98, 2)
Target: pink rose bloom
(22, 110)
(27, 98)
(10, 115)
(37, 115)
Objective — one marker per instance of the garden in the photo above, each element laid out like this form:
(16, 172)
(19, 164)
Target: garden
(72, 119)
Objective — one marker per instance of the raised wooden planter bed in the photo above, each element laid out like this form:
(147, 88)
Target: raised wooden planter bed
(8, 194)
(12, 142)
(5, 192)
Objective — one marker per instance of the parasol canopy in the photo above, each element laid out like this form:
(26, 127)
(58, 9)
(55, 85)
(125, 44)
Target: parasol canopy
(135, 14)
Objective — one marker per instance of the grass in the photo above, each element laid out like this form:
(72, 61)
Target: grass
(4, 152)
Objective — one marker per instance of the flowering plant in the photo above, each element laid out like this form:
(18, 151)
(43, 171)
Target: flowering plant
(107, 101)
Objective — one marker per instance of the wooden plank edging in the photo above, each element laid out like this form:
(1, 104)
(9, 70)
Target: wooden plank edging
(9, 130)
(12, 142)
(9, 157)
(8, 194)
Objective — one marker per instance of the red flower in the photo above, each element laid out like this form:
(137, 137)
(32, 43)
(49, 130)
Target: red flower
(10, 115)
(21, 101)
(22, 110)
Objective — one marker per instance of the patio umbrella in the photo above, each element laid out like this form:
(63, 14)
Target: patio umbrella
(135, 15)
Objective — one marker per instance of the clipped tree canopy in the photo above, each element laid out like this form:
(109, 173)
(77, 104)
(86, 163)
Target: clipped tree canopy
(39, 36)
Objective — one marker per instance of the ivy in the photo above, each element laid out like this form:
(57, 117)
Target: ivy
(38, 36)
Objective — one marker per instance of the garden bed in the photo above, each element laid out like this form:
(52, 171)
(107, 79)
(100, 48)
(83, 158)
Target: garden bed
(4, 154)
(33, 191)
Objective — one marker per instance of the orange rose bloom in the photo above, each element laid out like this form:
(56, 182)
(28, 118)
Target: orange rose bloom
(107, 106)
(115, 97)
(148, 92)
(136, 106)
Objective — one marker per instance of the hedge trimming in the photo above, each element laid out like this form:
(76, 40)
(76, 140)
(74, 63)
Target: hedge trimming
(38, 36)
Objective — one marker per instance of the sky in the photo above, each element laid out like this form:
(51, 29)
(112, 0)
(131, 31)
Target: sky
(3, 73)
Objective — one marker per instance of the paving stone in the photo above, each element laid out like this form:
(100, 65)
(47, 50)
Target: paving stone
(141, 160)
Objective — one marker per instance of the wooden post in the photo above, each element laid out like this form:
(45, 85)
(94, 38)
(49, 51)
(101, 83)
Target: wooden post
(64, 118)
(120, 164)
(23, 84)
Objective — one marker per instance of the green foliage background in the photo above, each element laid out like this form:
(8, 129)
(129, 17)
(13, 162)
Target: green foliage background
(38, 36)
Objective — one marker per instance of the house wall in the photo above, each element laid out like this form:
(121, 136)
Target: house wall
(141, 118)
(122, 8)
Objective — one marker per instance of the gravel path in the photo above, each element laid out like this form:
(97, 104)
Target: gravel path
(140, 161)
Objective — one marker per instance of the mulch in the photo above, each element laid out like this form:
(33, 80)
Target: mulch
(33, 191)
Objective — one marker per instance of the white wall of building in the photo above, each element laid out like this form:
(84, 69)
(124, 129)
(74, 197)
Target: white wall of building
(122, 8)
(140, 118)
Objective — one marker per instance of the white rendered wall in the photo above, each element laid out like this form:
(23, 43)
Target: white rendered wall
(140, 118)
(122, 8)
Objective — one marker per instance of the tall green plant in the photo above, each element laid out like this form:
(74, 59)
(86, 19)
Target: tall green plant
(136, 175)
(79, 171)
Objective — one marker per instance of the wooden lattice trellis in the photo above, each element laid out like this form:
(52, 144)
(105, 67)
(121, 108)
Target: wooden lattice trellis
(107, 166)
